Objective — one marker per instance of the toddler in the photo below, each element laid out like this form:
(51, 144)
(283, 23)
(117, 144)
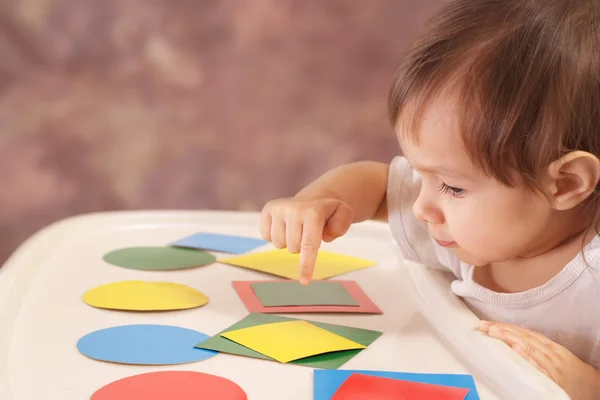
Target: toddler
(497, 112)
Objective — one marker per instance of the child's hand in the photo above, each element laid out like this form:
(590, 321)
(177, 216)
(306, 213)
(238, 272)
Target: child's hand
(580, 380)
(300, 224)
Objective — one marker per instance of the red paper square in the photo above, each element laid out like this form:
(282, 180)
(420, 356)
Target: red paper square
(253, 304)
(360, 387)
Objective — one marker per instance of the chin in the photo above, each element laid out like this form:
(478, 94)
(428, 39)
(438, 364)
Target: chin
(470, 259)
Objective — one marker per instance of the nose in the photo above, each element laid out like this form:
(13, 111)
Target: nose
(426, 210)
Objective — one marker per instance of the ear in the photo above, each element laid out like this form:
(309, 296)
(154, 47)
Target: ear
(573, 178)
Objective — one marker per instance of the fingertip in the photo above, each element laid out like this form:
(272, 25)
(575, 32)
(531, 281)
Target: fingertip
(293, 248)
(494, 332)
(304, 280)
(308, 259)
(484, 326)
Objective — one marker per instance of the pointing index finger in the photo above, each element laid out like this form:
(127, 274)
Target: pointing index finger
(312, 233)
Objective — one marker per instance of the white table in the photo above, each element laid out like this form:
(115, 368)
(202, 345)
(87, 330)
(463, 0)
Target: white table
(42, 315)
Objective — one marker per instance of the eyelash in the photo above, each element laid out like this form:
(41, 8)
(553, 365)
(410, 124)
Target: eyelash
(453, 191)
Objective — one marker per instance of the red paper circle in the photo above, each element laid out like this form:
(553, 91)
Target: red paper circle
(171, 385)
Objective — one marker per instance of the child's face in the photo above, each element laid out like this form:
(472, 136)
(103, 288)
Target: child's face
(477, 217)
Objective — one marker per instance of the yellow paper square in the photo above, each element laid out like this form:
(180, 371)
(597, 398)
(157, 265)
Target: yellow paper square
(290, 340)
(282, 263)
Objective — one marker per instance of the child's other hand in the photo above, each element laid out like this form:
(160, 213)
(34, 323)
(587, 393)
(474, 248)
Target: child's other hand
(580, 380)
(301, 223)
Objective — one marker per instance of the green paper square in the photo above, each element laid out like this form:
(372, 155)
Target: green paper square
(331, 360)
(293, 293)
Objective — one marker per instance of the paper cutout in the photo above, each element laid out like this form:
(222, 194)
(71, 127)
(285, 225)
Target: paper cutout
(281, 262)
(172, 385)
(144, 296)
(293, 293)
(360, 387)
(252, 303)
(144, 345)
(221, 243)
(290, 340)
(326, 382)
(158, 258)
(327, 360)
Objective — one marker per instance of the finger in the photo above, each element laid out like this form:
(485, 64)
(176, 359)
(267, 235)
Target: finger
(265, 224)
(531, 360)
(519, 330)
(339, 223)
(484, 326)
(293, 235)
(537, 359)
(508, 337)
(278, 233)
(526, 345)
(552, 351)
(512, 335)
(327, 237)
(540, 340)
(312, 233)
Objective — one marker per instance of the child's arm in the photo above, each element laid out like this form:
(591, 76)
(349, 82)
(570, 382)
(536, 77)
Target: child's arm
(325, 209)
(361, 185)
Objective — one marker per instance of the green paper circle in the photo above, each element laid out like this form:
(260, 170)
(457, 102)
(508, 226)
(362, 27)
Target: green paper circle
(158, 258)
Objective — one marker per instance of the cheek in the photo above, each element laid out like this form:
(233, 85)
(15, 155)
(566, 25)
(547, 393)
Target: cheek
(497, 225)
(465, 215)
(486, 227)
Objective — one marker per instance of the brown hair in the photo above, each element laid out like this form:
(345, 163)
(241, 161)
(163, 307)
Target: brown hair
(526, 74)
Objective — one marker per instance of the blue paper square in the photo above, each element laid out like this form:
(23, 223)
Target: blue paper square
(327, 382)
(218, 242)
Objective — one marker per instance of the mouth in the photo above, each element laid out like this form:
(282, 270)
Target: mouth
(444, 243)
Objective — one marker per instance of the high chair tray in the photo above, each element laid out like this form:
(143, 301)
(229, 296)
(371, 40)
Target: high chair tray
(42, 315)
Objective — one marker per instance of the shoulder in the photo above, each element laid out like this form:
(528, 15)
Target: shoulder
(590, 256)
(408, 231)
(403, 181)
(403, 187)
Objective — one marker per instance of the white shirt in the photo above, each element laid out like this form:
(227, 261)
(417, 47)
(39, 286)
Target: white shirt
(565, 309)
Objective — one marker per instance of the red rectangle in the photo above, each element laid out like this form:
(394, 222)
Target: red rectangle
(360, 387)
(252, 303)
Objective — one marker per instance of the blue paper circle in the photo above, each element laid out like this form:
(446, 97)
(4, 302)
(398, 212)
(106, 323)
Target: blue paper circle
(145, 345)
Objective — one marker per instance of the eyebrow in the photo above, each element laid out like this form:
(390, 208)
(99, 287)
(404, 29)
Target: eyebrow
(439, 171)
(436, 170)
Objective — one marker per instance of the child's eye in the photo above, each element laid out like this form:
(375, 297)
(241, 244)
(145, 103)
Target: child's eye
(454, 191)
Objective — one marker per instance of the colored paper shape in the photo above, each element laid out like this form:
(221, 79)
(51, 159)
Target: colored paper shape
(144, 345)
(252, 303)
(281, 262)
(144, 296)
(290, 340)
(172, 385)
(158, 258)
(360, 387)
(327, 360)
(327, 382)
(293, 293)
(221, 243)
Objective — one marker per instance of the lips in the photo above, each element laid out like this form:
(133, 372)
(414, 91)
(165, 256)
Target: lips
(444, 243)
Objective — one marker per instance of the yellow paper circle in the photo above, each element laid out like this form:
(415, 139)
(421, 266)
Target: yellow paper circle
(144, 296)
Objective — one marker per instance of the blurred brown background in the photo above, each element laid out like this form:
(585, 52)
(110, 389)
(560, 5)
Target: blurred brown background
(188, 104)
